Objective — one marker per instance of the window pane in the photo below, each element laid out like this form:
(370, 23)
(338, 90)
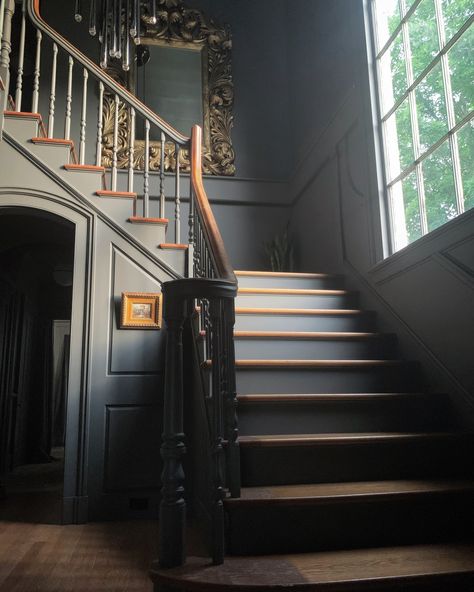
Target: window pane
(455, 14)
(393, 73)
(408, 5)
(466, 154)
(423, 36)
(412, 209)
(431, 108)
(399, 142)
(387, 17)
(461, 67)
(439, 187)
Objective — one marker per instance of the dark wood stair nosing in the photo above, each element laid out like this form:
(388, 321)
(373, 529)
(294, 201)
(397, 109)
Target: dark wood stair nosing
(358, 492)
(348, 439)
(311, 335)
(362, 570)
(301, 364)
(291, 292)
(257, 398)
(243, 310)
(286, 274)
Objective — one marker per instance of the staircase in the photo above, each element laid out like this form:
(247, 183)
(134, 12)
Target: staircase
(354, 477)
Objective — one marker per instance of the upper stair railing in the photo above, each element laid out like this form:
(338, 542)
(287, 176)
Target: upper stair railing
(122, 102)
(206, 298)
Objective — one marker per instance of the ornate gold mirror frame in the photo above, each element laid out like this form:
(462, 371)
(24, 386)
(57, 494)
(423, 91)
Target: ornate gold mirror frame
(179, 26)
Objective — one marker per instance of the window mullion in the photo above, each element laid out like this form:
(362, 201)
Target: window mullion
(414, 127)
(448, 95)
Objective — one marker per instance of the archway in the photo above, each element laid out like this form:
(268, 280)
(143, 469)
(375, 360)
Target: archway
(36, 278)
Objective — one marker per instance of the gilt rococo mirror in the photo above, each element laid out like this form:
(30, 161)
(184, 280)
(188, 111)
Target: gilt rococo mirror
(186, 79)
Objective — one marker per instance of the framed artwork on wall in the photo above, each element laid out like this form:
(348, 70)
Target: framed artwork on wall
(141, 310)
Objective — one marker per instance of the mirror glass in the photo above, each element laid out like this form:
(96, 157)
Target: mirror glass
(171, 84)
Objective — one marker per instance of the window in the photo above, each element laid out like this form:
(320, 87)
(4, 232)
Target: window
(425, 72)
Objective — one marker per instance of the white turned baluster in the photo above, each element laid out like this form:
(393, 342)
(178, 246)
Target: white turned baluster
(67, 121)
(5, 50)
(162, 175)
(52, 96)
(131, 149)
(2, 14)
(100, 125)
(177, 201)
(82, 145)
(114, 147)
(131, 157)
(36, 76)
(21, 59)
(146, 176)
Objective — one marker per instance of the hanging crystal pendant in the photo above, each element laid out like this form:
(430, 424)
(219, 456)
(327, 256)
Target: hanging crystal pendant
(78, 11)
(92, 19)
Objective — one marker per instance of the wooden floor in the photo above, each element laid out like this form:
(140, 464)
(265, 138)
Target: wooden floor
(95, 557)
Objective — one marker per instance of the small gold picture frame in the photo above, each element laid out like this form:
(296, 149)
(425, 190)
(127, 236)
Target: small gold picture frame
(141, 310)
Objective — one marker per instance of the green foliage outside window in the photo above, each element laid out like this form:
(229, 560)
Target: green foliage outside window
(431, 109)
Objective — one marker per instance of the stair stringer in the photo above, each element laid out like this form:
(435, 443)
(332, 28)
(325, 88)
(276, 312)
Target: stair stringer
(78, 197)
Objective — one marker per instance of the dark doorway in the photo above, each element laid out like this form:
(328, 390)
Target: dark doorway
(36, 276)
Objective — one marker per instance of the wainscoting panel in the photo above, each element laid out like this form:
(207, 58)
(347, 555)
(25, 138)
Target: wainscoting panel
(132, 434)
(132, 351)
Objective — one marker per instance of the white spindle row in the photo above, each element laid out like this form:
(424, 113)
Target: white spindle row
(77, 110)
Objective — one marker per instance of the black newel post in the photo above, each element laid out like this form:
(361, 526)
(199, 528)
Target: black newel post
(230, 402)
(172, 522)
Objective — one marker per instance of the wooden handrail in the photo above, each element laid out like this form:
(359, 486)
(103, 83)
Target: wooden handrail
(213, 235)
(123, 93)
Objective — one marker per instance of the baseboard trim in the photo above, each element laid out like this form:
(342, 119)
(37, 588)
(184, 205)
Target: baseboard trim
(75, 509)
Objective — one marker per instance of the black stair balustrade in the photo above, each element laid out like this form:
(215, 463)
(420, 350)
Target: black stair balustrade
(205, 305)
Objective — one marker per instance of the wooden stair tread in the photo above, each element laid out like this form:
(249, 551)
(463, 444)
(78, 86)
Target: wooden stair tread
(292, 292)
(298, 311)
(85, 168)
(177, 246)
(353, 490)
(315, 335)
(347, 438)
(335, 571)
(53, 141)
(143, 220)
(22, 115)
(331, 397)
(109, 193)
(284, 274)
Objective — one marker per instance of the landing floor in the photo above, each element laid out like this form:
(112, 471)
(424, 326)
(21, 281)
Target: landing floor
(95, 557)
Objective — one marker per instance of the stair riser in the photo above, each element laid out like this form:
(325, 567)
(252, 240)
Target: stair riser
(291, 283)
(319, 463)
(150, 235)
(343, 349)
(269, 322)
(344, 416)
(87, 182)
(359, 380)
(54, 156)
(22, 129)
(296, 301)
(175, 259)
(346, 525)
